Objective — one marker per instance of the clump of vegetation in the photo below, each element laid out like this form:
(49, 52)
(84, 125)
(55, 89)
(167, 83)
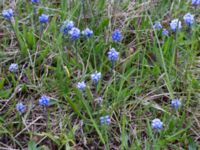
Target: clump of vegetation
(99, 74)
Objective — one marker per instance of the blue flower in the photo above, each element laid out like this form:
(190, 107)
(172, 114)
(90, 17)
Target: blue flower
(195, 2)
(8, 14)
(44, 100)
(105, 120)
(67, 26)
(189, 19)
(44, 18)
(113, 55)
(175, 103)
(165, 32)
(96, 76)
(116, 35)
(13, 68)
(74, 33)
(175, 25)
(87, 32)
(157, 26)
(21, 107)
(157, 124)
(35, 1)
(81, 86)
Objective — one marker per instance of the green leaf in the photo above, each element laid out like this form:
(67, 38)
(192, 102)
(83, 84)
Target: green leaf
(2, 83)
(32, 145)
(5, 93)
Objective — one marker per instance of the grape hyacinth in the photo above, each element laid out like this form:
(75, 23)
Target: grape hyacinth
(175, 25)
(44, 100)
(20, 107)
(189, 19)
(157, 26)
(81, 86)
(156, 124)
(8, 13)
(195, 2)
(35, 1)
(44, 18)
(67, 26)
(13, 68)
(165, 32)
(113, 55)
(87, 32)
(74, 33)
(116, 35)
(96, 76)
(175, 103)
(105, 120)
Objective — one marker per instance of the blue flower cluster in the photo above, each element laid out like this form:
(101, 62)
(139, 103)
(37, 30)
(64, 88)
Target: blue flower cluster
(189, 19)
(175, 24)
(195, 2)
(44, 18)
(44, 100)
(113, 55)
(81, 86)
(116, 35)
(165, 32)
(157, 26)
(157, 124)
(74, 33)
(35, 1)
(87, 33)
(105, 120)
(96, 76)
(8, 14)
(175, 103)
(20, 107)
(67, 26)
(13, 68)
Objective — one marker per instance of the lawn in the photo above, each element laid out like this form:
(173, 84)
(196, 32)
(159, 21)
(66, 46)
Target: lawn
(100, 74)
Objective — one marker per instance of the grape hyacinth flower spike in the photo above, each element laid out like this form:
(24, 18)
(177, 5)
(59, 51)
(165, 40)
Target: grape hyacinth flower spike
(105, 120)
(95, 77)
(195, 2)
(165, 32)
(67, 26)
(113, 56)
(35, 1)
(8, 13)
(175, 103)
(74, 33)
(13, 68)
(175, 25)
(43, 18)
(87, 33)
(44, 100)
(189, 19)
(157, 26)
(81, 86)
(157, 124)
(20, 107)
(116, 35)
